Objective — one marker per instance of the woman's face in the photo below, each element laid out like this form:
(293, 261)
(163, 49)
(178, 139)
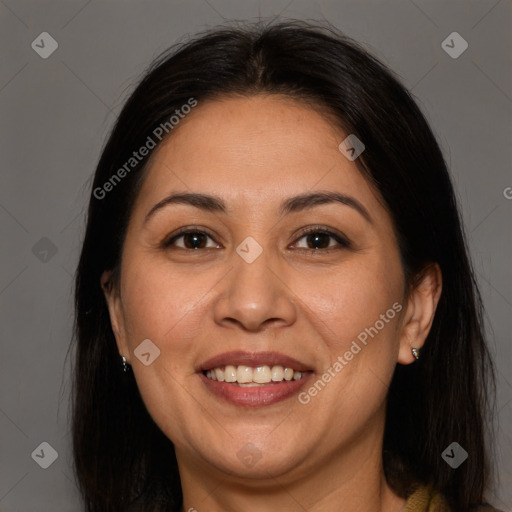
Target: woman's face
(258, 292)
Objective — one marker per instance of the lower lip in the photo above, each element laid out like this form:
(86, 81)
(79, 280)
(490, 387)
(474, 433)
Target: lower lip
(255, 396)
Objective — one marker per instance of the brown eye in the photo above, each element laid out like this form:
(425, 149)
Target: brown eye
(321, 238)
(192, 239)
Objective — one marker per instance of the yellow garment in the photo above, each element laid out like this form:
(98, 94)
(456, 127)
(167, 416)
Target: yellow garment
(425, 499)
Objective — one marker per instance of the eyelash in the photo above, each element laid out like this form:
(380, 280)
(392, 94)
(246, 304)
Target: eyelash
(343, 242)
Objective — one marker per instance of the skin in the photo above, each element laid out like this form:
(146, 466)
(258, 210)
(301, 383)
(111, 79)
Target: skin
(308, 303)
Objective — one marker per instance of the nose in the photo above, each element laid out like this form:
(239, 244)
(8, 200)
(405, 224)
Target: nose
(255, 295)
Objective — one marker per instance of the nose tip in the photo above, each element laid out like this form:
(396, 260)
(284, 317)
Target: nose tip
(254, 295)
(252, 320)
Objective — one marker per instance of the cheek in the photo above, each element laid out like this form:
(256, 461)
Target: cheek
(356, 309)
(353, 297)
(158, 300)
(165, 306)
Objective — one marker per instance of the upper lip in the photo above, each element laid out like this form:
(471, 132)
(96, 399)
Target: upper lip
(240, 357)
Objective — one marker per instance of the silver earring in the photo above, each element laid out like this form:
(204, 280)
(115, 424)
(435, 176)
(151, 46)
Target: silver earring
(416, 353)
(126, 366)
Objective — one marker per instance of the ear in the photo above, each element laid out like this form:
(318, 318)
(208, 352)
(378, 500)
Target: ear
(113, 299)
(419, 315)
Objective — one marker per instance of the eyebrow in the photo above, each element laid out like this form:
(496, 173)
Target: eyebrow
(215, 204)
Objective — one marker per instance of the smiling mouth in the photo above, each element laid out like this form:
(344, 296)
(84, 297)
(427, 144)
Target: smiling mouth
(254, 379)
(248, 376)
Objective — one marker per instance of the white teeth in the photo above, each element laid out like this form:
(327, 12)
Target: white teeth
(261, 374)
(277, 373)
(230, 373)
(247, 376)
(244, 374)
(288, 374)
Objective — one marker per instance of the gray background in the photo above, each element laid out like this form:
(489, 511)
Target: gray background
(56, 113)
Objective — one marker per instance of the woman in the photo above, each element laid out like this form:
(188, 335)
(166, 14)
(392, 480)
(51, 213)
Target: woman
(275, 309)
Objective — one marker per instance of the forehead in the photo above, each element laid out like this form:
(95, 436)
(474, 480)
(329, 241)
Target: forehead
(254, 150)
